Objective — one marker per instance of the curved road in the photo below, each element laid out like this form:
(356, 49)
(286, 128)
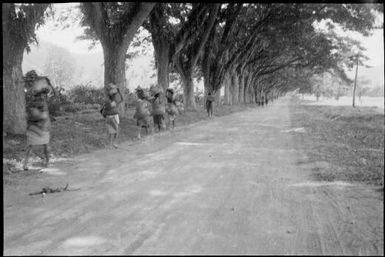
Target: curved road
(231, 185)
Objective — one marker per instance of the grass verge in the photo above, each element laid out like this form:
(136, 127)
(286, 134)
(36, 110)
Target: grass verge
(350, 139)
(85, 132)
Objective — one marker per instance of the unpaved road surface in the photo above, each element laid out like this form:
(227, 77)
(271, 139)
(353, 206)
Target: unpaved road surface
(231, 185)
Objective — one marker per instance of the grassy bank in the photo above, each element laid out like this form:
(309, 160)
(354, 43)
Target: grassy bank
(350, 139)
(79, 133)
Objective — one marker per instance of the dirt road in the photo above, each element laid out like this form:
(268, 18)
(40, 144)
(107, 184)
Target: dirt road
(232, 185)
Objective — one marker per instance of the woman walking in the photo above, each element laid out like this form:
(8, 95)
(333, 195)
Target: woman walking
(158, 107)
(209, 104)
(142, 112)
(38, 120)
(111, 112)
(172, 109)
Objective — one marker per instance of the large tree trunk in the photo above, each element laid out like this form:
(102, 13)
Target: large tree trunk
(115, 38)
(188, 93)
(235, 87)
(14, 119)
(114, 68)
(163, 67)
(227, 81)
(247, 91)
(355, 85)
(14, 44)
(241, 89)
(206, 87)
(217, 96)
(162, 50)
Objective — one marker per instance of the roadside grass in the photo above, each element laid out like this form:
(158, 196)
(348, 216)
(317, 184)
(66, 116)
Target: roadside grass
(84, 132)
(350, 139)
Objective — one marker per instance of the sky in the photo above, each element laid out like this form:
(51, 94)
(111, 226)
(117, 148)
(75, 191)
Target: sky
(67, 39)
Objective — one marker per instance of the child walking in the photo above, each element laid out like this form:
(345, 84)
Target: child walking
(158, 109)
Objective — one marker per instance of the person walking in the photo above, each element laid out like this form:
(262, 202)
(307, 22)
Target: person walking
(172, 109)
(209, 104)
(142, 112)
(158, 108)
(111, 113)
(38, 119)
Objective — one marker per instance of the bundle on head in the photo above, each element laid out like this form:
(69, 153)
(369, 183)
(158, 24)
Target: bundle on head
(140, 93)
(111, 89)
(37, 84)
(155, 89)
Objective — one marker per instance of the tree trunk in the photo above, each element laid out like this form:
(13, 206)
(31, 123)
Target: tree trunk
(247, 88)
(14, 44)
(227, 81)
(14, 118)
(217, 96)
(241, 93)
(206, 86)
(188, 93)
(114, 68)
(235, 88)
(355, 84)
(162, 49)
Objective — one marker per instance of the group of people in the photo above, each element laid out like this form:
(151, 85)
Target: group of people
(146, 106)
(156, 104)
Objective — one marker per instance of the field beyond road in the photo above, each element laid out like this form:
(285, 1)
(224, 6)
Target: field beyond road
(284, 179)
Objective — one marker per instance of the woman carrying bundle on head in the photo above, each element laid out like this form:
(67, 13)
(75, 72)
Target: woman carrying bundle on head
(111, 112)
(158, 107)
(142, 112)
(38, 120)
(209, 104)
(172, 109)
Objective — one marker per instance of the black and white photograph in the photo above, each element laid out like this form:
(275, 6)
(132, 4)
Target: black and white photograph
(193, 128)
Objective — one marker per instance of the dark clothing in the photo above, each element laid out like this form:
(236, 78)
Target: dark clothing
(209, 102)
(158, 121)
(109, 109)
(158, 107)
(38, 121)
(37, 113)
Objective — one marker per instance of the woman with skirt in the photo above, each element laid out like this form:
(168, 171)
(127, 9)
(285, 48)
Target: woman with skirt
(38, 120)
(112, 114)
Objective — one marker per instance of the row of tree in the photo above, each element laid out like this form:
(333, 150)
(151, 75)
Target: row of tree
(249, 49)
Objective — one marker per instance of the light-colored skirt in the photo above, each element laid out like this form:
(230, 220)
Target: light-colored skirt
(37, 136)
(112, 122)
